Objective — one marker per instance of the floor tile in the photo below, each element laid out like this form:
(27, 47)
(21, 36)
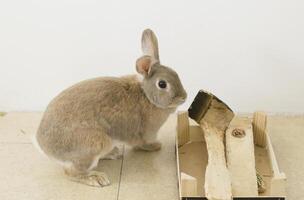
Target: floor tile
(287, 135)
(17, 127)
(25, 174)
(151, 175)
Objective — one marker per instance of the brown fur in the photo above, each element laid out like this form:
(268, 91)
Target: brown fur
(83, 123)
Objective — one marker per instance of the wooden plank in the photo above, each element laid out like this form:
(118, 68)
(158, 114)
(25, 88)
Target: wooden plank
(217, 178)
(240, 158)
(183, 128)
(259, 128)
(278, 181)
(214, 116)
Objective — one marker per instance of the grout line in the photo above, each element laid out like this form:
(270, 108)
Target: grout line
(121, 168)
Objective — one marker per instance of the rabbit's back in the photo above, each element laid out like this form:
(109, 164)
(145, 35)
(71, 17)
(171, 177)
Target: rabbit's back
(111, 105)
(91, 98)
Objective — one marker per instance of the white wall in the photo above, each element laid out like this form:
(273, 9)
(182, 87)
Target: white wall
(249, 53)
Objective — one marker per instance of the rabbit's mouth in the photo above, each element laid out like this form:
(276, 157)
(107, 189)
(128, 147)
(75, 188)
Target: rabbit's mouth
(158, 102)
(176, 102)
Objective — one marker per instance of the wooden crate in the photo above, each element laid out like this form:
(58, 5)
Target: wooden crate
(192, 159)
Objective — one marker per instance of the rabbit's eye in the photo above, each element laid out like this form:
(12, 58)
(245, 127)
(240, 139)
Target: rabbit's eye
(162, 84)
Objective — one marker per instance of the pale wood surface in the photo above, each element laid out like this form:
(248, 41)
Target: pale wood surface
(183, 128)
(214, 123)
(241, 159)
(189, 185)
(259, 123)
(193, 161)
(217, 178)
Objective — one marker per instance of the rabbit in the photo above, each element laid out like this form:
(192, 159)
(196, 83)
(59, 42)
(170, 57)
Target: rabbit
(86, 122)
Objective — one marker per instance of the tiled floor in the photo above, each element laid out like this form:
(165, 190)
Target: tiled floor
(25, 174)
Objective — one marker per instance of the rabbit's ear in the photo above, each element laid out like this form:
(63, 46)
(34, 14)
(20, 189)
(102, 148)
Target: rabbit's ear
(144, 64)
(149, 44)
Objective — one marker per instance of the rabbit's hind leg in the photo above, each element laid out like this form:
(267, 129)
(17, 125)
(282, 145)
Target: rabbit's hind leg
(81, 172)
(113, 155)
(91, 146)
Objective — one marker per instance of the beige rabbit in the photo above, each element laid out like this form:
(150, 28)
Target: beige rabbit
(85, 122)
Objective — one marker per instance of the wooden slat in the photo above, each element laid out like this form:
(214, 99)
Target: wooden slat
(240, 158)
(259, 128)
(183, 128)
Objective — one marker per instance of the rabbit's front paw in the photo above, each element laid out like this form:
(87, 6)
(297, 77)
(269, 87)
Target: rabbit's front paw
(153, 146)
(98, 178)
